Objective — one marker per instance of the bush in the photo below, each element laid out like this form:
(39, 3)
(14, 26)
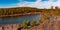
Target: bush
(28, 23)
(33, 23)
(41, 21)
(24, 25)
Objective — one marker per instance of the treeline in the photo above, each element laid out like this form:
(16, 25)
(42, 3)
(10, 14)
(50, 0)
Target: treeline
(21, 10)
(18, 10)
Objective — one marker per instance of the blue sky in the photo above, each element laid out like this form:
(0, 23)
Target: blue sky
(5, 2)
(30, 0)
(8, 1)
(28, 3)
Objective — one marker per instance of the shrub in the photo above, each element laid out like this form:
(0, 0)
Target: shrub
(28, 23)
(24, 25)
(33, 23)
(41, 21)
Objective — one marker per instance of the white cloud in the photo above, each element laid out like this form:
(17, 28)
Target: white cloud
(39, 4)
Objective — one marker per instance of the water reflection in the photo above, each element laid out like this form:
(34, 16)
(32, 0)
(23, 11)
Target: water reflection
(19, 19)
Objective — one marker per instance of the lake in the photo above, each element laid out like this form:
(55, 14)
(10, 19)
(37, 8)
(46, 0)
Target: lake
(19, 19)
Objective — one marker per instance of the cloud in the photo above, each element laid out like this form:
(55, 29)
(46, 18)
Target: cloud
(40, 4)
(37, 4)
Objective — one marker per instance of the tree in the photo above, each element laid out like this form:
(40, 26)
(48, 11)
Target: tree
(33, 23)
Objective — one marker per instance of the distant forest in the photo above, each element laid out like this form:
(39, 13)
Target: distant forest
(21, 10)
(18, 10)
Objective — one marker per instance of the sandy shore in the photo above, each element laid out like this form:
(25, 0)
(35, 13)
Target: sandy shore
(20, 14)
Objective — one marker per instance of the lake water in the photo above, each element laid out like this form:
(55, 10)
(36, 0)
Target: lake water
(19, 19)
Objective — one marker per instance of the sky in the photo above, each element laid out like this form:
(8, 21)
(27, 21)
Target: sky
(29, 3)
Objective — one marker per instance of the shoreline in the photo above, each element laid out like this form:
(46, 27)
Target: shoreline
(30, 13)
